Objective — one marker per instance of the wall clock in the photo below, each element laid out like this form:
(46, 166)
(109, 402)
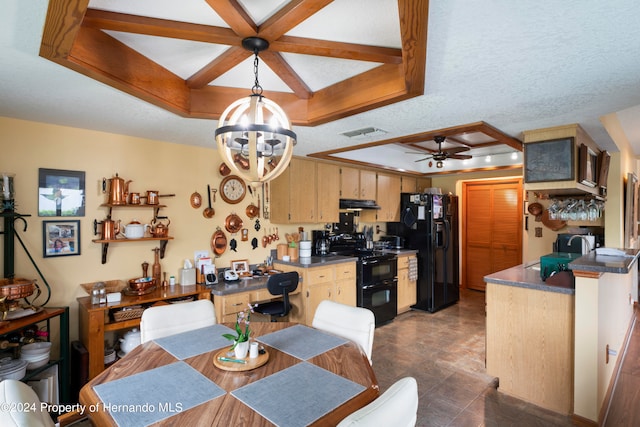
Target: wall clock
(233, 189)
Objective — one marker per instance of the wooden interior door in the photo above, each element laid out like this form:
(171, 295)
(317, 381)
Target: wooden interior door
(491, 229)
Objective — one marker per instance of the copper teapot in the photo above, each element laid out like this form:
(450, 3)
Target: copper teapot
(118, 190)
(158, 229)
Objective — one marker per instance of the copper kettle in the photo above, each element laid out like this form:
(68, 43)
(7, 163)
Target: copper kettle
(110, 228)
(158, 229)
(118, 190)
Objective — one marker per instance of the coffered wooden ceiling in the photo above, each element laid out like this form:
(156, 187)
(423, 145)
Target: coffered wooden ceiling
(78, 37)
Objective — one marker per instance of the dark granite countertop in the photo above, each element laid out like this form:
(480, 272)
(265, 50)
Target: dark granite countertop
(606, 263)
(400, 252)
(317, 261)
(526, 277)
(242, 285)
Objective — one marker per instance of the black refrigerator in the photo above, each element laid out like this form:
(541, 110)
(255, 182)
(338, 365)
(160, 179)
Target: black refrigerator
(429, 224)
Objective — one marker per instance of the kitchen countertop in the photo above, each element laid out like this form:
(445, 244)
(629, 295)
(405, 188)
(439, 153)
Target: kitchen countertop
(318, 261)
(526, 277)
(400, 252)
(255, 283)
(242, 285)
(606, 263)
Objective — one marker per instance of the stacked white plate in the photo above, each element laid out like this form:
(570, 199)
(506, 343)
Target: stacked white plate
(12, 369)
(36, 354)
(305, 248)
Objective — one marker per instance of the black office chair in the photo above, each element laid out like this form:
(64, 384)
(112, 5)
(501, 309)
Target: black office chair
(279, 284)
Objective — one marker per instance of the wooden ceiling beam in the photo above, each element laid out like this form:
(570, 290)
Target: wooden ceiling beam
(220, 65)
(290, 15)
(352, 51)
(235, 16)
(379, 86)
(414, 17)
(284, 71)
(101, 57)
(105, 20)
(64, 19)
(130, 72)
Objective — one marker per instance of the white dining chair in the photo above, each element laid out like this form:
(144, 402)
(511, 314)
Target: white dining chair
(21, 407)
(353, 323)
(164, 320)
(397, 407)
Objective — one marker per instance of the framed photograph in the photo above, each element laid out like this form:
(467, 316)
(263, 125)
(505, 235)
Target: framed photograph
(551, 160)
(240, 266)
(60, 192)
(61, 238)
(587, 165)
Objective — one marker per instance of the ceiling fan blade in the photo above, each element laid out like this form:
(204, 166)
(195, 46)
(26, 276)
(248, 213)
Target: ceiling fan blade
(423, 159)
(455, 150)
(460, 156)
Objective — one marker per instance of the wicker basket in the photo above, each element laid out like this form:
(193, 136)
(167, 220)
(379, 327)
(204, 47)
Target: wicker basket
(127, 313)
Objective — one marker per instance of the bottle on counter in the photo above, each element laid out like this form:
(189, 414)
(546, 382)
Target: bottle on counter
(156, 269)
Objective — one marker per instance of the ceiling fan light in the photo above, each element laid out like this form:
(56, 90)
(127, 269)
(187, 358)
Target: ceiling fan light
(439, 164)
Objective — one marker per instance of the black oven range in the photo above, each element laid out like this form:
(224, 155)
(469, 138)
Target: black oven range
(377, 276)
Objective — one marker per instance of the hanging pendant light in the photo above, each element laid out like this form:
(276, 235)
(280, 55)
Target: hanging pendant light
(254, 135)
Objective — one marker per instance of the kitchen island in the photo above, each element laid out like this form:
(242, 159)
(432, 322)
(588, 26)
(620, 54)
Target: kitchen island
(557, 346)
(332, 277)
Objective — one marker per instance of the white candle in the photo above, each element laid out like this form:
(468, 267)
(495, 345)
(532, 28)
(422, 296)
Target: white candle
(5, 180)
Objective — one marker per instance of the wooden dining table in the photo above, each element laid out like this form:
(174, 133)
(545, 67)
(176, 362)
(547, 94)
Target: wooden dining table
(310, 377)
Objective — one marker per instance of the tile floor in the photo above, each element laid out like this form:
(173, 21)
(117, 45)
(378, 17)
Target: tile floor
(444, 351)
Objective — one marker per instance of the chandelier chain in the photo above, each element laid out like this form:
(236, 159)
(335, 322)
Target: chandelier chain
(256, 89)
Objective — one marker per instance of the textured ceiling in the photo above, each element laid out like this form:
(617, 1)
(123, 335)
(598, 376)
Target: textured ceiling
(521, 66)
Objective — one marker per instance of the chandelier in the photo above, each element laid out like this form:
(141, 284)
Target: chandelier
(254, 135)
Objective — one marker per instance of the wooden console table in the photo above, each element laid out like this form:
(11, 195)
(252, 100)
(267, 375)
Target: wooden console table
(95, 320)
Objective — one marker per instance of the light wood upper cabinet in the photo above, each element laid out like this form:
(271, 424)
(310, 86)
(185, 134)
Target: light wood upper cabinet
(294, 194)
(388, 197)
(408, 184)
(367, 185)
(357, 184)
(422, 184)
(303, 194)
(279, 203)
(349, 183)
(328, 202)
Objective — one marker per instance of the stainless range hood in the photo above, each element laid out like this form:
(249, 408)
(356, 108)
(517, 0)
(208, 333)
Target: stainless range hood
(355, 204)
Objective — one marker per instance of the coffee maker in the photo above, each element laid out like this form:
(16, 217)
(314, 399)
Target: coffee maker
(321, 243)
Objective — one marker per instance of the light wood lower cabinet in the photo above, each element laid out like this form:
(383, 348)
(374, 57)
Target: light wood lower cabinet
(530, 344)
(407, 291)
(336, 282)
(228, 306)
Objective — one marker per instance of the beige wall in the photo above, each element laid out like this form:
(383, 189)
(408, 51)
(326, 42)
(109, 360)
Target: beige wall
(167, 167)
(622, 162)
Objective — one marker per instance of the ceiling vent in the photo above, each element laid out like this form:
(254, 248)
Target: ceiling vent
(364, 133)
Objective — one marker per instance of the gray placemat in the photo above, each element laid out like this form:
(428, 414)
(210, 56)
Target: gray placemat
(301, 341)
(151, 396)
(297, 396)
(197, 341)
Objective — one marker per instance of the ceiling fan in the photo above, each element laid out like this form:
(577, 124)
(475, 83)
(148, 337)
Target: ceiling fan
(447, 153)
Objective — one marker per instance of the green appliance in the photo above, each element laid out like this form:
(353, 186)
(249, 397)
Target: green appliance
(555, 262)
